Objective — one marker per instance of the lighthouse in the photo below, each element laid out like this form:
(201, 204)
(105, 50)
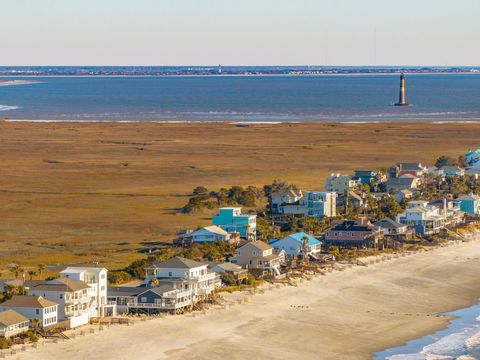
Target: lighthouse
(402, 101)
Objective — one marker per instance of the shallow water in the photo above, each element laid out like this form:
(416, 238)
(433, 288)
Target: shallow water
(460, 338)
(244, 98)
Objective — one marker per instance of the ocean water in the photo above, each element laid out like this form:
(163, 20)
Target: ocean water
(460, 340)
(451, 97)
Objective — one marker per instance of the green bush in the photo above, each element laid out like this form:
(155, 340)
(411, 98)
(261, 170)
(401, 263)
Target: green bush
(118, 277)
(4, 343)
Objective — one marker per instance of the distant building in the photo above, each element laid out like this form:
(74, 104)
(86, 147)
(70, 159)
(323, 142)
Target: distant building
(472, 157)
(365, 176)
(340, 184)
(453, 171)
(208, 234)
(414, 169)
(234, 270)
(284, 197)
(314, 204)
(408, 182)
(470, 204)
(33, 307)
(12, 323)
(391, 227)
(232, 220)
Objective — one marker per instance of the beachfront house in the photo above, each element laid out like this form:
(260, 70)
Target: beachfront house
(184, 274)
(236, 271)
(470, 204)
(340, 184)
(96, 279)
(12, 323)
(360, 233)
(299, 244)
(392, 228)
(258, 258)
(72, 296)
(232, 220)
(123, 297)
(428, 218)
(33, 307)
(283, 197)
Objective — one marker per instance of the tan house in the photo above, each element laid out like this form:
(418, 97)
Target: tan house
(12, 323)
(257, 257)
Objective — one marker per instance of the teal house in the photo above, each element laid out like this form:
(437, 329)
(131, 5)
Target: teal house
(472, 157)
(365, 176)
(470, 204)
(232, 220)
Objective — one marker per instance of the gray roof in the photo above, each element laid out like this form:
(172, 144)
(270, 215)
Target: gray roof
(388, 223)
(124, 291)
(11, 317)
(411, 166)
(177, 262)
(160, 289)
(400, 181)
(61, 284)
(34, 302)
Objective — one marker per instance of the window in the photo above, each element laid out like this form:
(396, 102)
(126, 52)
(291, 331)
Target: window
(60, 296)
(143, 299)
(37, 311)
(102, 276)
(169, 273)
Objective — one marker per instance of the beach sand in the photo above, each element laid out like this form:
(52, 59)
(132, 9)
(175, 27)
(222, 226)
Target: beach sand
(344, 315)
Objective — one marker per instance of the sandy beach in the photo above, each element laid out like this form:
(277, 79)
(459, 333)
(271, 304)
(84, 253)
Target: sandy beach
(343, 315)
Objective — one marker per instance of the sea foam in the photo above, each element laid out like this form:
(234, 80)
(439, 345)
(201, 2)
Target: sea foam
(7, 107)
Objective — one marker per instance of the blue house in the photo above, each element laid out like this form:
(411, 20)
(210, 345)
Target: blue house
(472, 157)
(365, 176)
(298, 244)
(232, 220)
(470, 204)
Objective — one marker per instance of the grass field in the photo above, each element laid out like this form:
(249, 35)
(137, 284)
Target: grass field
(77, 192)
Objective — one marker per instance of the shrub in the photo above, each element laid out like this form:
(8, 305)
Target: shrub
(118, 277)
(4, 343)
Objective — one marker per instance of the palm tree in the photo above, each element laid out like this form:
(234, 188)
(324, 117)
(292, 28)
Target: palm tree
(31, 273)
(153, 282)
(16, 270)
(305, 248)
(41, 268)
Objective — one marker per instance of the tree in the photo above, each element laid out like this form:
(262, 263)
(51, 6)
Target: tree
(41, 268)
(32, 273)
(153, 282)
(445, 161)
(16, 270)
(200, 190)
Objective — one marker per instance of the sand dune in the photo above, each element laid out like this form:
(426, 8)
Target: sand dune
(344, 315)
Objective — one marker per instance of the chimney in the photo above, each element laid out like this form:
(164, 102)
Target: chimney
(445, 208)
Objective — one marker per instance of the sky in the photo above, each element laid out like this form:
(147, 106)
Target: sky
(239, 32)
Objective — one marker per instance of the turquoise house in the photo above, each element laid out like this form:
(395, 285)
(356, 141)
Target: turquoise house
(232, 220)
(470, 204)
(472, 157)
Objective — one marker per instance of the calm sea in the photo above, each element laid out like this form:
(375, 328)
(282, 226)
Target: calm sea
(243, 98)
(461, 339)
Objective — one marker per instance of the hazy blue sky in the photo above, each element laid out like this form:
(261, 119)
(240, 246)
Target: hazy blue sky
(239, 32)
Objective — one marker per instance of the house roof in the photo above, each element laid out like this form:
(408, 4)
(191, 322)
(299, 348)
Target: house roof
(159, 290)
(259, 245)
(177, 262)
(452, 168)
(388, 223)
(35, 302)
(11, 317)
(124, 291)
(291, 192)
(299, 237)
(228, 266)
(411, 166)
(350, 226)
(213, 229)
(61, 284)
(80, 269)
(400, 181)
